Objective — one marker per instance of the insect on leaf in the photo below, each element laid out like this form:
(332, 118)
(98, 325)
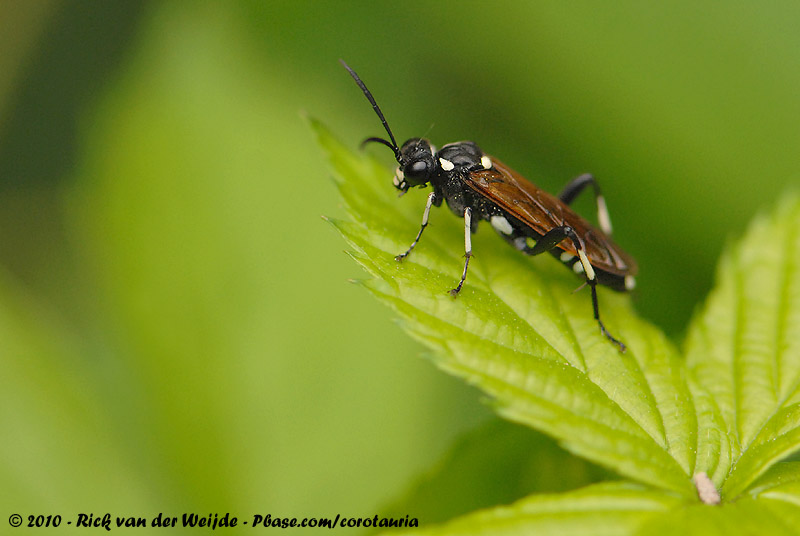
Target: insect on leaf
(519, 332)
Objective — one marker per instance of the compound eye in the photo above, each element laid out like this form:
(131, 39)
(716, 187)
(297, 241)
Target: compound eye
(417, 170)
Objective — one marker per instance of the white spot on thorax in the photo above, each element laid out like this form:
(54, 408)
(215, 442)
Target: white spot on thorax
(447, 165)
(501, 225)
(630, 282)
(577, 268)
(566, 256)
(486, 162)
(398, 176)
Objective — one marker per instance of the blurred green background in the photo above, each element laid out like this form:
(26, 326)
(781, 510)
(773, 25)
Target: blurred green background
(176, 328)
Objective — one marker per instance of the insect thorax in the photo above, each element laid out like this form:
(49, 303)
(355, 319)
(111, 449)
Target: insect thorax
(462, 154)
(454, 161)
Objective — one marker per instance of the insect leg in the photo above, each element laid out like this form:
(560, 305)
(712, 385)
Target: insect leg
(467, 249)
(431, 201)
(576, 186)
(549, 241)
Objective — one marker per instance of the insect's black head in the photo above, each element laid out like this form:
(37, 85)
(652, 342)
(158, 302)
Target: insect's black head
(415, 158)
(417, 164)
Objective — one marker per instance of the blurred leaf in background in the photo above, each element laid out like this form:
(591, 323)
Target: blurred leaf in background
(177, 331)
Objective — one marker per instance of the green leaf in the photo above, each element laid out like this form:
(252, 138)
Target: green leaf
(601, 509)
(745, 516)
(494, 464)
(780, 482)
(744, 347)
(520, 333)
(624, 508)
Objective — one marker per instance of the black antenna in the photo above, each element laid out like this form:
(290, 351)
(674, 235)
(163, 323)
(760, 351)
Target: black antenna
(393, 144)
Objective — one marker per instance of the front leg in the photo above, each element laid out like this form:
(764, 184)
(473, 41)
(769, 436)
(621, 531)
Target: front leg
(431, 201)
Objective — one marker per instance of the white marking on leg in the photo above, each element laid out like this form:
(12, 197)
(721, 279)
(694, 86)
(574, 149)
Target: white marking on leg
(431, 197)
(468, 249)
(602, 215)
(630, 282)
(521, 243)
(468, 230)
(486, 162)
(447, 165)
(587, 267)
(501, 225)
(398, 176)
(566, 256)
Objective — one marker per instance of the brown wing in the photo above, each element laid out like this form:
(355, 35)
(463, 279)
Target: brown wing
(542, 212)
